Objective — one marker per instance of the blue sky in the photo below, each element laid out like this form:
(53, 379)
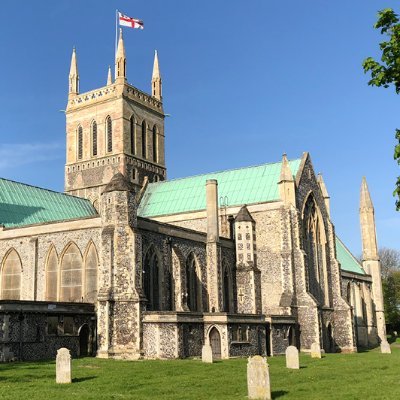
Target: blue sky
(244, 82)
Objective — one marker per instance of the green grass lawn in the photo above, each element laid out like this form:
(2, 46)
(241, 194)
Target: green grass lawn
(368, 375)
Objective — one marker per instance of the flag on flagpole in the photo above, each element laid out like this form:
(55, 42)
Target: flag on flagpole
(124, 20)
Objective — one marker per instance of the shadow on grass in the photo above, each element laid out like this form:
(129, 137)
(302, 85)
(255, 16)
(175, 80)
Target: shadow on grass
(302, 366)
(85, 378)
(279, 393)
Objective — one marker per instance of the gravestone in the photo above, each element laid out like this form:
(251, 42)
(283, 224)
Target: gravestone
(258, 384)
(206, 354)
(315, 351)
(385, 347)
(292, 358)
(63, 366)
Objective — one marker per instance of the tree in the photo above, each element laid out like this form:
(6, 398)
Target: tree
(387, 72)
(390, 269)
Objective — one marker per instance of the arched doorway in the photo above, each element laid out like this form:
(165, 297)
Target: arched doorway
(215, 342)
(84, 334)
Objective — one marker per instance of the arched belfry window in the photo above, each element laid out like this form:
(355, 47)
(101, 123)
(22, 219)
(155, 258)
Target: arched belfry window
(193, 284)
(80, 142)
(155, 150)
(151, 270)
(109, 134)
(315, 248)
(94, 138)
(11, 277)
(144, 139)
(132, 124)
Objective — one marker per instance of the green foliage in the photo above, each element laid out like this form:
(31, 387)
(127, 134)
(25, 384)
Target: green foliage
(391, 295)
(387, 72)
(367, 375)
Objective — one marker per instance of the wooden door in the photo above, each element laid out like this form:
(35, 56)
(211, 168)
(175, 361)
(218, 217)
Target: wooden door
(215, 342)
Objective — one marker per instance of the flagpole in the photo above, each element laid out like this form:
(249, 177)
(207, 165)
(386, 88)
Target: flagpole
(116, 31)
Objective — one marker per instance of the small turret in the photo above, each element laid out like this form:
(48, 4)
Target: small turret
(120, 61)
(109, 76)
(156, 81)
(73, 89)
(286, 183)
(324, 192)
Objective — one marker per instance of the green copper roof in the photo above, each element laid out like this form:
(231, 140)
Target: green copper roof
(347, 261)
(22, 204)
(235, 187)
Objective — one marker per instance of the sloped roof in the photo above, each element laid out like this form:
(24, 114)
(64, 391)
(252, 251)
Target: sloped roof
(22, 204)
(248, 185)
(347, 261)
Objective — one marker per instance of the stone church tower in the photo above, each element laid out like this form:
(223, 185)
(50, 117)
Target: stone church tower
(116, 128)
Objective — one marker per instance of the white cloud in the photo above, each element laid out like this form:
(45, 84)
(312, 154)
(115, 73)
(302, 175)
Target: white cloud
(17, 154)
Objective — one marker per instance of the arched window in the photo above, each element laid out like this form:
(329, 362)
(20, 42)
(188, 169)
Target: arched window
(80, 142)
(94, 138)
(51, 275)
(227, 287)
(133, 135)
(155, 150)
(71, 274)
(109, 134)
(314, 243)
(11, 277)
(151, 279)
(144, 139)
(91, 265)
(193, 284)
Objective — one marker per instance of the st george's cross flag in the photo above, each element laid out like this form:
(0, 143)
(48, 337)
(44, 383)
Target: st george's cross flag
(124, 20)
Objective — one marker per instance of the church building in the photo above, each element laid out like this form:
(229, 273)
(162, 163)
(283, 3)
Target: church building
(128, 264)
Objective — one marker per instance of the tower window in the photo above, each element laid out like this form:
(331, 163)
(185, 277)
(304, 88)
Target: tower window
(80, 142)
(94, 138)
(155, 143)
(144, 141)
(109, 134)
(133, 134)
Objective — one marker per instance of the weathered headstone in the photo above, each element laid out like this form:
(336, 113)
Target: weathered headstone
(385, 347)
(206, 354)
(315, 351)
(63, 366)
(258, 383)
(292, 358)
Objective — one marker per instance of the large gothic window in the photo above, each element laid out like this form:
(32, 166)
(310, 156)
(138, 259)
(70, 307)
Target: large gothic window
(193, 284)
(155, 150)
(109, 134)
(314, 243)
(144, 139)
(80, 142)
(151, 287)
(71, 274)
(132, 126)
(51, 275)
(94, 138)
(11, 277)
(91, 265)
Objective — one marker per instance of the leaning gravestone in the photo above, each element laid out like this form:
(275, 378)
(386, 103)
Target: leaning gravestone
(385, 347)
(258, 384)
(292, 358)
(315, 351)
(206, 354)
(63, 366)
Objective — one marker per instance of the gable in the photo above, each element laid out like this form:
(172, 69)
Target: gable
(249, 185)
(22, 204)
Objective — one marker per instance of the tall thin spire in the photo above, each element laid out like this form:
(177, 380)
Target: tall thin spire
(120, 61)
(365, 197)
(109, 76)
(156, 81)
(286, 173)
(73, 76)
(286, 183)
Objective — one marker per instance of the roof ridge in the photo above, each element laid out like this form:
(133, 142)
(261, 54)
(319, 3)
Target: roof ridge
(47, 190)
(223, 170)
